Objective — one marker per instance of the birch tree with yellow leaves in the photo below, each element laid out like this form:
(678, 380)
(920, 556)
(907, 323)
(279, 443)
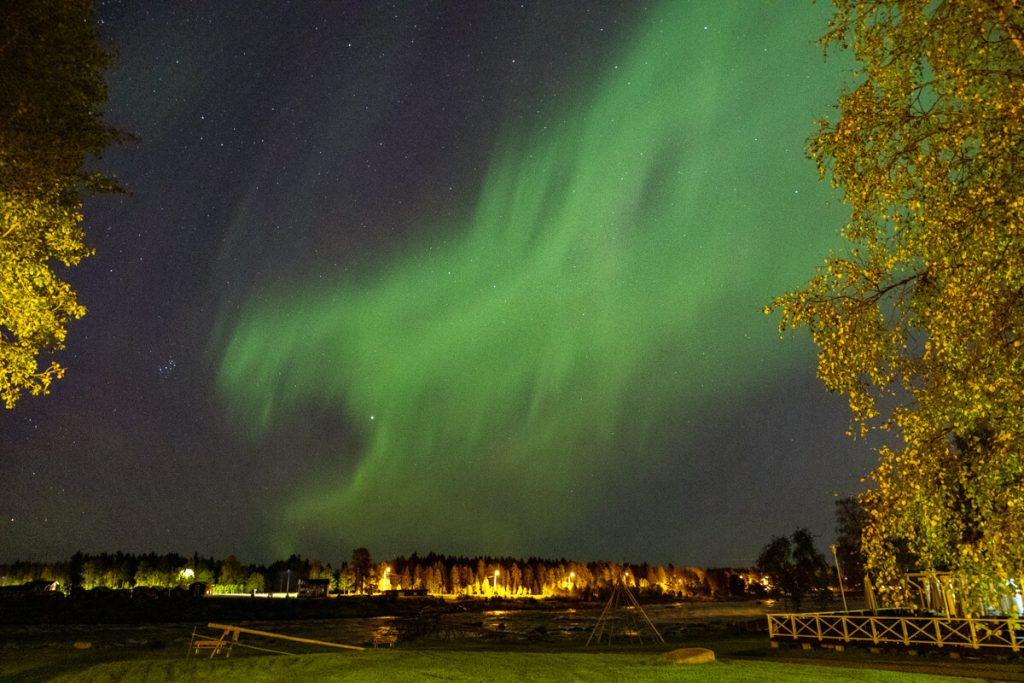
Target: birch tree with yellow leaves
(51, 95)
(920, 322)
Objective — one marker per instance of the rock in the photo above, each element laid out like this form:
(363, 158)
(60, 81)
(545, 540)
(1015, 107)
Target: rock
(691, 655)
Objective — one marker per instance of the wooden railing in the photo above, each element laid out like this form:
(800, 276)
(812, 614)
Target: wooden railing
(909, 631)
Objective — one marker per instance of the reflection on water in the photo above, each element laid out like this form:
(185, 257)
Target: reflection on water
(385, 631)
(576, 623)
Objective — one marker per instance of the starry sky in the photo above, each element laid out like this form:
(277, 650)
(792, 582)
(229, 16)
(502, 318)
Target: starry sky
(472, 278)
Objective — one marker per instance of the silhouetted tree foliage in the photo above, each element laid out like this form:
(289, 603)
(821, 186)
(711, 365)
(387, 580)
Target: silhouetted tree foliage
(850, 520)
(285, 575)
(795, 567)
(360, 567)
(437, 574)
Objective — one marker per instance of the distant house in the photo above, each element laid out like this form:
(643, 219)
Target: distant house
(314, 588)
(200, 588)
(30, 588)
(406, 593)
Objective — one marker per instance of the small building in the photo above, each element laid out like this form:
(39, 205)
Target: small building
(200, 588)
(405, 593)
(314, 588)
(30, 588)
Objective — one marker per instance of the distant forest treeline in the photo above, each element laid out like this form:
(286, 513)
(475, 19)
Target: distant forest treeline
(435, 574)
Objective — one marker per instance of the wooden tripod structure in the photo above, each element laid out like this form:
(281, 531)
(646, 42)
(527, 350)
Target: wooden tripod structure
(623, 608)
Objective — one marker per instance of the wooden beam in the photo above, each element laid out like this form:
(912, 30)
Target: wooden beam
(267, 634)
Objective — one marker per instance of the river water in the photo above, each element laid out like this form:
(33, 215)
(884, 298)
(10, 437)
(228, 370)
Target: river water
(564, 625)
(561, 625)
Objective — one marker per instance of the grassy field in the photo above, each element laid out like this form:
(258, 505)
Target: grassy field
(158, 652)
(429, 664)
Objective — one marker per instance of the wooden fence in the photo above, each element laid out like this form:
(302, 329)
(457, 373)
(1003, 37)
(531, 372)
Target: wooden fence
(1002, 634)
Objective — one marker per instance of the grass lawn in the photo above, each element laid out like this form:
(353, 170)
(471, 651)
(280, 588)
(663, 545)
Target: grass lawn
(401, 664)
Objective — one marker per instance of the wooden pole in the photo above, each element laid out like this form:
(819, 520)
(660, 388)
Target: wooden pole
(839, 573)
(267, 634)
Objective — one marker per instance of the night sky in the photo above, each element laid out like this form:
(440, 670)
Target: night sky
(463, 277)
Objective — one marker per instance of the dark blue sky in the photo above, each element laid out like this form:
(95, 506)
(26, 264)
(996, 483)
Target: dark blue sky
(291, 143)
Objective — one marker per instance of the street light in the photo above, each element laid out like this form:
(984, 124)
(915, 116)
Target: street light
(495, 580)
(288, 584)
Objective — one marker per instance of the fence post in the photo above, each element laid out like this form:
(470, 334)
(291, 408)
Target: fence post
(234, 639)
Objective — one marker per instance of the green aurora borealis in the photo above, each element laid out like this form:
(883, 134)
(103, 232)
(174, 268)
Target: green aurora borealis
(607, 281)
